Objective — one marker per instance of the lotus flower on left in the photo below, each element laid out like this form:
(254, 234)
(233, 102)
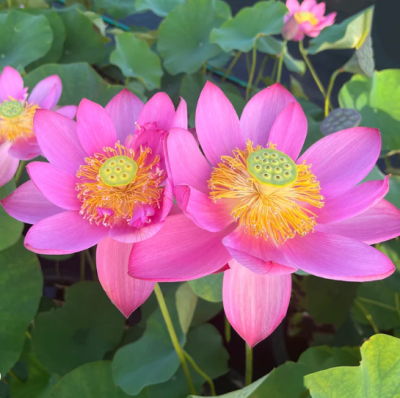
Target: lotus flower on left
(17, 109)
(105, 183)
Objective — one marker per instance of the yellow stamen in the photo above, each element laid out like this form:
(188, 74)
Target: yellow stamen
(278, 212)
(16, 119)
(305, 16)
(103, 203)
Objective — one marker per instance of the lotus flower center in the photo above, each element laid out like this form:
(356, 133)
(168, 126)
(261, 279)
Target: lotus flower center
(270, 195)
(305, 16)
(120, 184)
(118, 171)
(16, 120)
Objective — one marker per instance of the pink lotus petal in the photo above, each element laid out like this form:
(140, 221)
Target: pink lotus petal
(255, 304)
(258, 255)
(69, 111)
(11, 85)
(291, 28)
(327, 21)
(308, 5)
(289, 130)
(217, 124)
(56, 135)
(55, 184)
(124, 110)
(343, 159)
(47, 92)
(124, 233)
(337, 257)
(25, 148)
(181, 116)
(293, 6)
(125, 292)
(202, 210)
(27, 204)
(188, 252)
(158, 109)
(8, 164)
(64, 233)
(261, 111)
(187, 165)
(355, 201)
(378, 224)
(95, 128)
(319, 10)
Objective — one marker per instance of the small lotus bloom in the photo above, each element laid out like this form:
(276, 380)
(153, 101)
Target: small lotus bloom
(17, 109)
(254, 203)
(306, 19)
(106, 184)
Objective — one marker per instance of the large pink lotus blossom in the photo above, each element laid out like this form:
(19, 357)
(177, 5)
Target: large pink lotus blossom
(17, 109)
(106, 184)
(254, 203)
(306, 19)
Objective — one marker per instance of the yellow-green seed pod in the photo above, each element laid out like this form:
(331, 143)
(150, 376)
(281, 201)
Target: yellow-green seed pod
(11, 109)
(118, 171)
(272, 167)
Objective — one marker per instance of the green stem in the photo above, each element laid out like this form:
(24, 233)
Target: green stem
(368, 316)
(14, 376)
(249, 366)
(311, 68)
(204, 68)
(280, 64)
(174, 338)
(82, 265)
(329, 91)
(397, 299)
(261, 71)
(228, 330)
(91, 264)
(28, 335)
(19, 171)
(231, 65)
(377, 303)
(274, 69)
(201, 373)
(252, 70)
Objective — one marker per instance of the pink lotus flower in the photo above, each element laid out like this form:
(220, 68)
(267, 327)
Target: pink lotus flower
(253, 202)
(105, 184)
(17, 138)
(305, 19)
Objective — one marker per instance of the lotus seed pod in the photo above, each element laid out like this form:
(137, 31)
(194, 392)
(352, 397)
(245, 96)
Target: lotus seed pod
(118, 171)
(11, 109)
(272, 167)
(340, 119)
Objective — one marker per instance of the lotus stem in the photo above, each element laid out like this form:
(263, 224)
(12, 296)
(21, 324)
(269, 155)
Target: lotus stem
(174, 338)
(368, 316)
(280, 64)
(227, 330)
(252, 70)
(201, 373)
(249, 366)
(231, 65)
(329, 91)
(19, 171)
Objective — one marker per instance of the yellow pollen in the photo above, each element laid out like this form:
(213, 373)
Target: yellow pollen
(305, 16)
(266, 210)
(104, 203)
(16, 120)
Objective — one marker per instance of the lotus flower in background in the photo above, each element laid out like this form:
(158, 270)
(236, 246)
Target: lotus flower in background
(306, 19)
(17, 109)
(254, 203)
(106, 184)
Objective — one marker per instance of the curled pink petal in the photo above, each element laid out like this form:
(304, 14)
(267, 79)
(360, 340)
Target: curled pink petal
(355, 201)
(8, 164)
(261, 111)
(124, 110)
(64, 233)
(69, 111)
(56, 185)
(47, 92)
(181, 116)
(343, 159)
(125, 292)
(11, 85)
(379, 223)
(255, 304)
(95, 128)
(337, 257)
(217, 124)
(188, 252)
(27, 204)
(25, 148)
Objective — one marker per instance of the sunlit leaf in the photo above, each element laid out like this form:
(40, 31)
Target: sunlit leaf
(186, 301)
(209, 287)
(159, 7)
